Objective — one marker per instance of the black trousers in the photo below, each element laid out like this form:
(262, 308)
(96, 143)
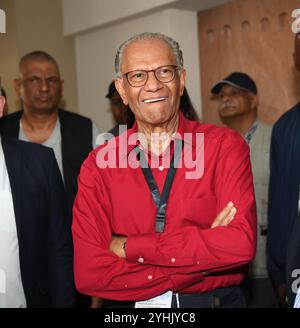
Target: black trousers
(228, 297)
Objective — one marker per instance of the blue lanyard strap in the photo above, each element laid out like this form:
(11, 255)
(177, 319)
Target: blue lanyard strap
(248, 136)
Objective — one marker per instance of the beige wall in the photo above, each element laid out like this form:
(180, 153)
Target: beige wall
(8, 51)
(36, 25)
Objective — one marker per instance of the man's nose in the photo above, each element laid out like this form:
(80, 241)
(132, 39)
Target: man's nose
(152, 83)
(44, 85)
(225, 97)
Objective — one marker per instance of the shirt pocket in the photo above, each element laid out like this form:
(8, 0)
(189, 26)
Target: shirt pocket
(199, 212)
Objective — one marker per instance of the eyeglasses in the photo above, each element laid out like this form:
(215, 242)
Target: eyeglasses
(163, 74)
(232, 94)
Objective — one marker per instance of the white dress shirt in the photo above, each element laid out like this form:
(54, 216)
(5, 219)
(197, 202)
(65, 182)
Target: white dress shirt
(11, 288)
(297, 300)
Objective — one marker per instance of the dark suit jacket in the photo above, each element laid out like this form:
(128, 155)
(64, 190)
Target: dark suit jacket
(283, 191)
(45, 244)
(76, 143)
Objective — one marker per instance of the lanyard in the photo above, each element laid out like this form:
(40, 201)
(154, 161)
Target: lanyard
(160, 200)
(248, 136)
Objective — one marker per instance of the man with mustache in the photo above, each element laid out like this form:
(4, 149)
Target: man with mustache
(41, 120)
(36, 255)
(237, 105)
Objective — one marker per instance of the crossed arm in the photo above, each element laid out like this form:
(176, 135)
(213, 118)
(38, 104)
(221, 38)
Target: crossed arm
(118, 243)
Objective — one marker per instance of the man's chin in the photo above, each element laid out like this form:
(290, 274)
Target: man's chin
(44, 109)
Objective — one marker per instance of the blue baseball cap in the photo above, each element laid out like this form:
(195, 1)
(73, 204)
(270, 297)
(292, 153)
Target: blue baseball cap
(237, 80)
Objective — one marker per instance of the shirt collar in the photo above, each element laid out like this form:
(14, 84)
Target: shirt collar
(183, 127)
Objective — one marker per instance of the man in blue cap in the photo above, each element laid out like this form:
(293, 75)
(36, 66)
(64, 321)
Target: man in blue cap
(238, 103)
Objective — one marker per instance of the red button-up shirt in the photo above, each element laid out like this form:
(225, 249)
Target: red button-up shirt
(189, 256)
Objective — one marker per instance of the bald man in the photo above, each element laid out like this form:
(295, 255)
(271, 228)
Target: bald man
(36, 256)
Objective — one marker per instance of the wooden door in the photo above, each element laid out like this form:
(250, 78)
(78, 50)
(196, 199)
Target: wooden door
(255, 37)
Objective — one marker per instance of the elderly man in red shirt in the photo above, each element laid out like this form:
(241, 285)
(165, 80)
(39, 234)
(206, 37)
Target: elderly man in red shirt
(149, 228)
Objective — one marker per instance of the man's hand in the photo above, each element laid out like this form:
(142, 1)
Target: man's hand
(281, 292)
(96, 303)
(223, 219)
(117, 246)
(225, 216)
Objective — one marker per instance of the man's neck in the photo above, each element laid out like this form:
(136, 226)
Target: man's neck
(38, 126)
(240, 123)
(158, 137)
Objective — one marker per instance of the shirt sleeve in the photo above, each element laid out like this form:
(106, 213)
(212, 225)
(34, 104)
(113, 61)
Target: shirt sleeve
(98, 271)
(210, 250)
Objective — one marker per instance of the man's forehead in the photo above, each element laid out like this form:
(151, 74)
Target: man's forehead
(32, 66)
(149, 52)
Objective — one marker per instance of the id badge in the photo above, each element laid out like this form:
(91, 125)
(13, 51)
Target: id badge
(161, 301)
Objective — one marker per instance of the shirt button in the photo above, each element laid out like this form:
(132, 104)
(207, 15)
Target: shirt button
(173, 259)
(141, 260)
(198, 262)
(125, 286)
(150, 277)
(161, 168)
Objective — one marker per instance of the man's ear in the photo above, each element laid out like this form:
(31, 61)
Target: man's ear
(120, 88)
(62, 83)
(182, 81)
(17, 86)
(2, 103)
(254, 100)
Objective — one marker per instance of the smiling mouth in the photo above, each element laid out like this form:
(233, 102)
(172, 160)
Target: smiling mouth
(154, 100)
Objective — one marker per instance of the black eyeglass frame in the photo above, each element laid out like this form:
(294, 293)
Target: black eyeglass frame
(175, 68)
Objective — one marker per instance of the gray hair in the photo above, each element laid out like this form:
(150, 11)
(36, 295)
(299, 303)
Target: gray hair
(172, 44)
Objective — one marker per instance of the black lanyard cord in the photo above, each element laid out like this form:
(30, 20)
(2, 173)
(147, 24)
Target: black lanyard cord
(160, 200)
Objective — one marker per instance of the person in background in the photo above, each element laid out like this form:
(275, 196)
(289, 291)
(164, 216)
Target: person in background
(147, 232)
(284, 200)
(237, 105)
(117, 109)
(36, 252)
(71, 136)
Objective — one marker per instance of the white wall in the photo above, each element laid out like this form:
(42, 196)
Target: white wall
(95, 53)
(80, 15)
